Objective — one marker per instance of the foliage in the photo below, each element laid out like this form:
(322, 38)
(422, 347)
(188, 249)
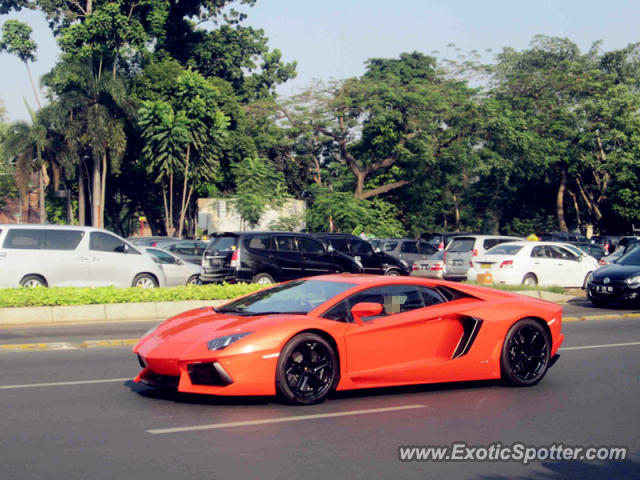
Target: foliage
(16, 40)
(259, 186)
(40, 296)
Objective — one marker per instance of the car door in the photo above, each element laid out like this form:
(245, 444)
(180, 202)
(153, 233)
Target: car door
(287, 256)
(110, 264)
(568, 271)
(173, 272)
(315, 260)
(363, 252)
(66, 258)
(398, 344)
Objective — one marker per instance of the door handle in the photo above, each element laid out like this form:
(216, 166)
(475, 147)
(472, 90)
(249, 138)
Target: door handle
(84, 259)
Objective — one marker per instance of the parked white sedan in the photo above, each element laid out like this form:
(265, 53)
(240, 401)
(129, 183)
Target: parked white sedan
(177, 271)
(535, 263)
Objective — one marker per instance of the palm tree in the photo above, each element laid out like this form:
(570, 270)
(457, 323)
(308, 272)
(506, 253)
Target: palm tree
(166, 137)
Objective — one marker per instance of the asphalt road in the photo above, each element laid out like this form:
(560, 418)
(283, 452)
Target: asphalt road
(55, 428)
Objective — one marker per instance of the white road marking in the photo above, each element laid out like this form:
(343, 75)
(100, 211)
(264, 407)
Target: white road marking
(60, 384)
(296, 418)
(609, 345)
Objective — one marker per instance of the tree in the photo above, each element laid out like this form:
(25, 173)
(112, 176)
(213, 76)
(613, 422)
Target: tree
(16, 40)
(259, 186)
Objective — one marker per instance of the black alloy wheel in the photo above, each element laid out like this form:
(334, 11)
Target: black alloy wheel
(307, 369)
(525, 353)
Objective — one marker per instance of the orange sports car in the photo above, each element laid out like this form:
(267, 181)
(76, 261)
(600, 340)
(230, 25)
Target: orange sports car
(304, 338)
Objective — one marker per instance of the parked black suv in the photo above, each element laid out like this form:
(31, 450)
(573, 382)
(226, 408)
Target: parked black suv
(373, 261)
(269, 257)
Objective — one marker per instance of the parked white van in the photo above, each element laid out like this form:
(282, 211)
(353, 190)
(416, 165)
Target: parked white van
(61, 256)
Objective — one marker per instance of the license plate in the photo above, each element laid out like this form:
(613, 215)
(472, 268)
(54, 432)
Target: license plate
(486, 266)
(602, 289)
(457, 263)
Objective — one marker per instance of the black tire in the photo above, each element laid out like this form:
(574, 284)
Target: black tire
(263, 278)
(525, 353)
(307, 370)
(31, 281)
(393, 272)
(194, 280)
(530, 279)
(144, 280)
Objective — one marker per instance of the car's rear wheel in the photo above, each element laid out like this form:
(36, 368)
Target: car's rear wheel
(263, 279)
(144, 280)
(31, 281)
(530, 280)
(525, 353)
(307, 369)
(194, 280)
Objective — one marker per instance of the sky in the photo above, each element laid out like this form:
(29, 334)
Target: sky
(332, 39)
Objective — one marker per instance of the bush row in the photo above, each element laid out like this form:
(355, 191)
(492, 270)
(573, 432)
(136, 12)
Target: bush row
(42, 297)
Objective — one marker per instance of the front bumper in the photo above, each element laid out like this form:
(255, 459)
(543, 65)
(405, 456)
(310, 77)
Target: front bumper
(613, 292)
(192, 369)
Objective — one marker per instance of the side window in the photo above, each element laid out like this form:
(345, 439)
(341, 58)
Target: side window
(199, 247)
(23, 238)
(261, 242)
(103, 242)
(185, 248)
(360, 248)
(538, 252)
(339, 313)
(431, 296)
(340, 244)
(427, 248)
(564, 253)
(164, 257)
(490, 243)
(394, 298)
(409, 247)
(308, 245)
(63, 239)
(389, 246)
(286, 244)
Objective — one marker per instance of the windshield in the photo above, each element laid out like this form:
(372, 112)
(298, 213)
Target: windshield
(632, 258)
(218, 244)
(504, 249)
(300, 296)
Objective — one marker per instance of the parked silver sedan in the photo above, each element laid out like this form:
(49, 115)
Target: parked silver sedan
(432, 267)
(177, 271)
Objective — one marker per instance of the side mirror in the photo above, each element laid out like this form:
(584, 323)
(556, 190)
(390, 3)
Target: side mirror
(124, 248)
(179, 261)
(330, 248)
(377, 250)
(365, 309)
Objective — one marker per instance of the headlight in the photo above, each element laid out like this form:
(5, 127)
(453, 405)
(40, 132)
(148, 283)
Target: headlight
(223, 342)
(633, 280)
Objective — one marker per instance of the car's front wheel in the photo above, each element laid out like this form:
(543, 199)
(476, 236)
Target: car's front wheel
(525, 353)
(31, 281)
(530, 280)
(263, 279)
(144, 280)
(194, 280)
(392, 272)
(307, 369)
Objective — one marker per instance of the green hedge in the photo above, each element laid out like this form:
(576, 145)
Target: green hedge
(41, 297)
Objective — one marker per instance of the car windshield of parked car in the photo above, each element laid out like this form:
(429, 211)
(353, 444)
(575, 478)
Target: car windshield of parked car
(632, 258)
(220, 244)
(300, 296)
(504, 249)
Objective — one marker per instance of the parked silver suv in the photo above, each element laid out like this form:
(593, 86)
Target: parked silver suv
(461, 250)
(57, 256)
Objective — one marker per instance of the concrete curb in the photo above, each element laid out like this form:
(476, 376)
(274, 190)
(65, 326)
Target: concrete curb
(548, 296)
(22, 347)
(116, 312)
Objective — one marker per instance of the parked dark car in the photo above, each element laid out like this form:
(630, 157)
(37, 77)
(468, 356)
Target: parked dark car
(617, 282)
(148, 241)
(593, 249)
(189, 250)
(373, 261)
(270, 257)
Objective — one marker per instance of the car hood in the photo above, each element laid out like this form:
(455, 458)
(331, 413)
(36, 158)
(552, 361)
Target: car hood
(614, 271)
(205, 324)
